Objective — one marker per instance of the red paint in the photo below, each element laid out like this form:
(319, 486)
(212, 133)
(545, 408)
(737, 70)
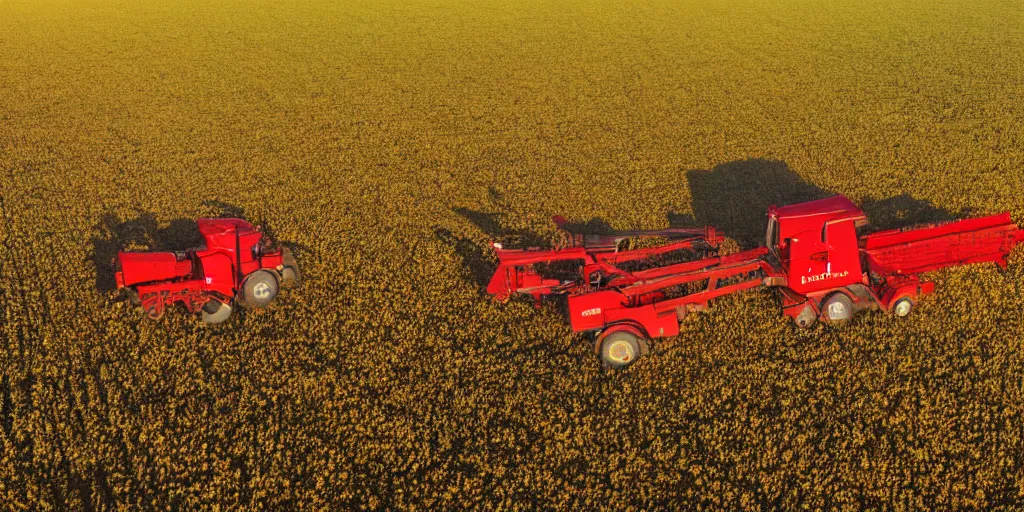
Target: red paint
(234, 249)
(813, 251)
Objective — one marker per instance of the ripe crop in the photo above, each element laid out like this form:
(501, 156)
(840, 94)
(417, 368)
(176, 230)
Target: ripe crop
(387, 143)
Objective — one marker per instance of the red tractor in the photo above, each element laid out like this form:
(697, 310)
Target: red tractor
(822, 267)
(238, 265)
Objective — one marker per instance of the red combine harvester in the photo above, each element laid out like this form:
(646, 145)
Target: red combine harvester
(814, 257)
(237, 265)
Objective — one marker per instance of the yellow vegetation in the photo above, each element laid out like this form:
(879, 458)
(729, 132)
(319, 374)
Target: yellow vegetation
(388, 142)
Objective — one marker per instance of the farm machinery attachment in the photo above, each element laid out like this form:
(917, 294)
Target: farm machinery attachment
(822, 267)
(238, 265)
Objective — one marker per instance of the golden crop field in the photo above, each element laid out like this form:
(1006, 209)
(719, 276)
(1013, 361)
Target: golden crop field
(387, 143)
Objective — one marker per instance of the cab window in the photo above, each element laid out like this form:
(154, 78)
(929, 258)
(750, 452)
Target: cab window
(773, 236)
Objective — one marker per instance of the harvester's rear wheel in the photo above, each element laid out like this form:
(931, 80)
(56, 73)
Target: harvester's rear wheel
(619, 349)
(903, 306)
(838, 307)
(215, 312)
(807, 317)
(259, 289)
(289, 277)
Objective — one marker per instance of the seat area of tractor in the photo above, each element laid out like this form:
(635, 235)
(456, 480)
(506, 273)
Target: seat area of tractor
(142, 267)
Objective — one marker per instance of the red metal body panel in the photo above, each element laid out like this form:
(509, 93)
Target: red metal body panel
(598, 310)
(910, 287)
(819, 211)
(219, 273)
(221, 232)
(234, 249)
(588, 311)
(599, 260)
(813, 252)
(140, 267)
(913, 251)
(648, 303)
(817, 243)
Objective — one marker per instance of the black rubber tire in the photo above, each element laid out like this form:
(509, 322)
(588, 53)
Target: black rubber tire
(807, 317)
(838, 308)
(133, 298)
(290, 275)
(903, 306)
(216, 312)
(259, 289)
(155, 310)
(619, 349)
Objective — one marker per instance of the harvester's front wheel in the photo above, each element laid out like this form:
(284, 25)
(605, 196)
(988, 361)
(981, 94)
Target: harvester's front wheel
(903, 306)
(619, 349)
(259, 289)
(807, 317)
(152, 304)
(215, 312)
(838, 307)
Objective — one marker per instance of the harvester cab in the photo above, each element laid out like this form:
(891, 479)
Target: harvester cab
(815, 244)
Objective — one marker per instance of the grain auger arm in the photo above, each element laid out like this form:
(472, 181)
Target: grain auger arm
(586, 262)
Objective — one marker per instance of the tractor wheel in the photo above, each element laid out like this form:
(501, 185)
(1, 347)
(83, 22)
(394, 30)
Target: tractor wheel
(133, 298)
(215, 312)
(619, 349)
(903, 306)
(290, 275)
(153, 306)
(259, 289)
(154, 313)
(838, 307)
(806, 318)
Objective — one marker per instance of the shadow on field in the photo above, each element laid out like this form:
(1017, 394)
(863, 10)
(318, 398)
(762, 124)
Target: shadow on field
(472, 255)
(141, 232)
(478, 258)
(144, 233)
(733, 197)
(903, 211)
(491, 224)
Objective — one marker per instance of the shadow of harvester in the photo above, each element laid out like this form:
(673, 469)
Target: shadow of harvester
(143, 232)
(735, 197)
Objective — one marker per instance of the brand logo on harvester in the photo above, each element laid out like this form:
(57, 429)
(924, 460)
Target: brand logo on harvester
(591, 312)
(824, 276)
